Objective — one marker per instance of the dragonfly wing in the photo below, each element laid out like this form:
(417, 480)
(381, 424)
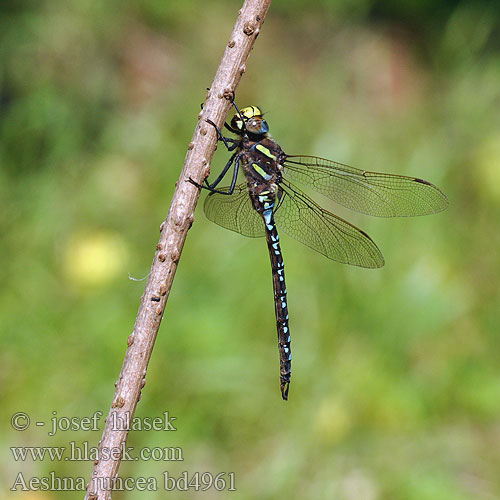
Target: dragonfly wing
(302, 219)
(235, 212)
(372, 193)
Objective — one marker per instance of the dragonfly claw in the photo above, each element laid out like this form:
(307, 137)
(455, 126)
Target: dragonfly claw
(219, 133)
(199, 186)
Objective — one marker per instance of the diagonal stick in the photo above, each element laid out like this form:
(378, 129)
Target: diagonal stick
(173, 234)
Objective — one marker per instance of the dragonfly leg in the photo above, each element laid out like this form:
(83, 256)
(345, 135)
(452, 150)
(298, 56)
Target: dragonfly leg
(230, 191)
(222, 174)
(231, 129)
(235, 175)
(211, 187)
(239, 113)
(231, 144)
(212, 190)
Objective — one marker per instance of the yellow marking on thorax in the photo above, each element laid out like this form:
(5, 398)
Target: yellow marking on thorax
(260, 171)
(265, 151)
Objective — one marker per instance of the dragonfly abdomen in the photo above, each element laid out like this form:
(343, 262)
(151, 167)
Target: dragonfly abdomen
(280, 300)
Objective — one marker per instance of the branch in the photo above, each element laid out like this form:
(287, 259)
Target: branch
(168, 250)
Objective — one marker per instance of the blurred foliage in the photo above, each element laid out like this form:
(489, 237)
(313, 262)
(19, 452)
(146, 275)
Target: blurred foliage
(396, 375)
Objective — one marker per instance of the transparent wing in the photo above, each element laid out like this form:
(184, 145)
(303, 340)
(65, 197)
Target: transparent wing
(235, 212)
(302, 219)
(372, 193)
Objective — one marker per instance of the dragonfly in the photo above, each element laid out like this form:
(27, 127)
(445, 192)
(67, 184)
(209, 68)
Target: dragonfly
(268, 199)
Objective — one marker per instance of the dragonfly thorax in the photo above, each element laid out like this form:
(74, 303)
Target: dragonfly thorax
(253, 121)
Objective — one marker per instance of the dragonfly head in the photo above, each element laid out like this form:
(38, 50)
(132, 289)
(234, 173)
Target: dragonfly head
(253, 123)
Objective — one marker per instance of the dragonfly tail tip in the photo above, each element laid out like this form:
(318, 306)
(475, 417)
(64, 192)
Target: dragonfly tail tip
(284, 390)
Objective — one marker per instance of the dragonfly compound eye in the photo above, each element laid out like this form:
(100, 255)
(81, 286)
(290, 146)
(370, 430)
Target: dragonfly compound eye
(257, 126)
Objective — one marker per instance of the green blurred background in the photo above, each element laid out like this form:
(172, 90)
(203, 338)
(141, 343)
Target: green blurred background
(396, 372)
